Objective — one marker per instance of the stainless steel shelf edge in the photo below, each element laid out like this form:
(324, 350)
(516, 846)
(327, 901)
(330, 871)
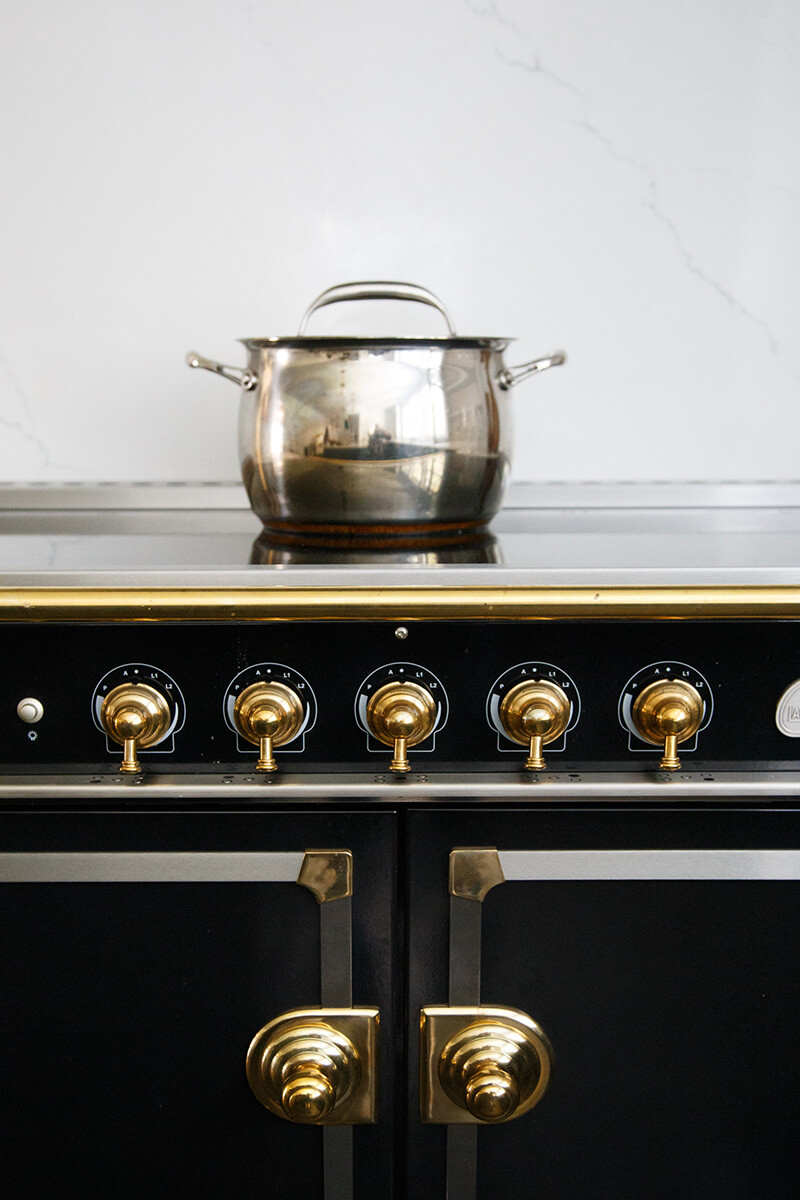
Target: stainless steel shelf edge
(433, 578)
(639, 786)
(216, 494)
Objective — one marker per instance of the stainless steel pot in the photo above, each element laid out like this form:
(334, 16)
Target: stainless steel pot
(359, 435)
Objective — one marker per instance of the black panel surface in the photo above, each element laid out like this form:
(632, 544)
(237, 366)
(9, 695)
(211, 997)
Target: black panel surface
(747, 666)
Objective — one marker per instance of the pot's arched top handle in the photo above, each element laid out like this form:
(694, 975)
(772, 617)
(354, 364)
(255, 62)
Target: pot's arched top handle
(376, 289)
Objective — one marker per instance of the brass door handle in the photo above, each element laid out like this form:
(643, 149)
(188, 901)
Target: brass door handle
(481, 1064)
(317, 1066)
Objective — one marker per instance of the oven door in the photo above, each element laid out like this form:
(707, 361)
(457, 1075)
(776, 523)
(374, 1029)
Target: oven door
(656, 951)
(141, 953)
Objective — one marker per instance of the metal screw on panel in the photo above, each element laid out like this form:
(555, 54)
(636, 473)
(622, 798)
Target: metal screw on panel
(401, 632)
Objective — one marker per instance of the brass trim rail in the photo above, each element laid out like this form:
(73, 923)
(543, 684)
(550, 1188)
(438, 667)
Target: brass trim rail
(202, 605)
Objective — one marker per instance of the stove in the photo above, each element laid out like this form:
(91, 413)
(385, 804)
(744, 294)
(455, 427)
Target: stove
(258, 799)
(600, 590)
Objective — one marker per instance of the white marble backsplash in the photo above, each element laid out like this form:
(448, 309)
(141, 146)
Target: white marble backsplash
(620, 180)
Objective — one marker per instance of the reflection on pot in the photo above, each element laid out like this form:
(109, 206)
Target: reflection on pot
(270, 549)
(353, 486)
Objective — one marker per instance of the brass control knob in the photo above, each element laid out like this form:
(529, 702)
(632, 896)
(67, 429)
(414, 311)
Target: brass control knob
(534, 713)
(268, 715)
(401, 715)
(136, 716)
(668, 711)
(492, 1069)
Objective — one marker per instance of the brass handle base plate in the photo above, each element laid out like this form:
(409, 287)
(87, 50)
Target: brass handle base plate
(317, 1066)
(462, 1042)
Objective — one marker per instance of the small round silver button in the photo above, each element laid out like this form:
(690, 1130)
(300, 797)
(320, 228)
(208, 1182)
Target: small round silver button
(30, 710)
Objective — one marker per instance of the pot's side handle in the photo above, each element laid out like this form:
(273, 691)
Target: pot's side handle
(510, 376)
(376, 289)
(236, 374)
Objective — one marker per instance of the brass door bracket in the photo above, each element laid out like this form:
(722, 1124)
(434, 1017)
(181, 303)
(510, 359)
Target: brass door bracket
(480, 1065)
(317, 1066)
(327, 873)
(474, 871)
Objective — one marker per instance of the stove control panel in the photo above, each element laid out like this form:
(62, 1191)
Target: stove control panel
(523, 697)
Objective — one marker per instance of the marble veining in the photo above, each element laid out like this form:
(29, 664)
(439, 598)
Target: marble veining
(621, 181)
(650, 200)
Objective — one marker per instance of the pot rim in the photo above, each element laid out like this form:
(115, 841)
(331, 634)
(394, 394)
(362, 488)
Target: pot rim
(357, 343)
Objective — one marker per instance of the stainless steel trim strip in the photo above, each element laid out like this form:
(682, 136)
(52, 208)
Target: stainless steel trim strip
(545, 865)
(638, 786)
(220, 494)
(466, 917)
(336, 991)
(654, 494)
(465, 951)
(462, 1162)
(337, 1159)
(336, 953)
(151, 867)
(257, 579)
(93, 497)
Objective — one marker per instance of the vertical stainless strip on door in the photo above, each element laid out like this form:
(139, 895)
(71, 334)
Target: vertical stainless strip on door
(336, 991)
(465, 951)
(473, 872)
(328, 874)
(465, 988)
